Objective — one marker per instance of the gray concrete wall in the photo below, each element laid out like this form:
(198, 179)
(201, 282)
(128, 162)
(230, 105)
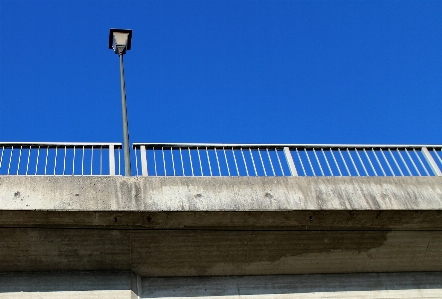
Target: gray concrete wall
(219, 193)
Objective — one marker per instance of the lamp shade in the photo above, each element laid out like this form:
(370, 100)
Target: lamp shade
(120, 40)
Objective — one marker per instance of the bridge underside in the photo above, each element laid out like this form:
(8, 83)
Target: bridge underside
(114, 237)
(159, 227)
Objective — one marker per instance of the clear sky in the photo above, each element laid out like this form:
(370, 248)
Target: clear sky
(223, 71)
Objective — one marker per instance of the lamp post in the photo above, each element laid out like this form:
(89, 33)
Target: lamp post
(120, 42)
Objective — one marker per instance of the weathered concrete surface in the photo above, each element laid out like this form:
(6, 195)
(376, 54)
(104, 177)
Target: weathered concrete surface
(220, 226)
(100, 285)
(68, 285)
(156, 253)
(376, 285)
(219, 193)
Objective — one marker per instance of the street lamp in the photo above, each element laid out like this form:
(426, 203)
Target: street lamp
(120, 42)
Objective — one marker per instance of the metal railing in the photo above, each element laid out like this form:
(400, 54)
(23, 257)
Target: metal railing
(165, 159)
(49, 158)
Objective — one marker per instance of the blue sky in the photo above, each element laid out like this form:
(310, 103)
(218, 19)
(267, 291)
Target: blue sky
(223, 71)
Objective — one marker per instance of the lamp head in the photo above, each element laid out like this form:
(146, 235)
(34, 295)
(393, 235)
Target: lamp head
(120, 40)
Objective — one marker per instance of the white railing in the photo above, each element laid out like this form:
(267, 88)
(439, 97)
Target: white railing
(165, 159)
(58, 158)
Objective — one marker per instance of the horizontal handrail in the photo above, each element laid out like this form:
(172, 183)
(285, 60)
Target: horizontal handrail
(199, 159)
(60, 158)
(60, 144)
(290, 145)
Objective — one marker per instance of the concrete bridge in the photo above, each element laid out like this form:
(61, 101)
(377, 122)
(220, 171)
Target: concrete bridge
(224, 237)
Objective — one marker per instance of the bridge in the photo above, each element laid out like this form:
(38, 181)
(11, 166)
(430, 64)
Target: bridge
(220, 220)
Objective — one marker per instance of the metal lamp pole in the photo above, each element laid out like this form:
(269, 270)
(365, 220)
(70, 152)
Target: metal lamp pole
(120, 41)
(127, 168)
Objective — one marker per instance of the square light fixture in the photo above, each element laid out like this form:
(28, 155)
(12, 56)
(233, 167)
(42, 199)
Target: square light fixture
(120, 40)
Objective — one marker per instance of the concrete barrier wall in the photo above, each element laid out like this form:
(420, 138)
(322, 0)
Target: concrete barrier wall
(219, 193)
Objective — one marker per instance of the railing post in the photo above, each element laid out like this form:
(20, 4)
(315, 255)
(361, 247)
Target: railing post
(143, 160)
(431, 162)
(289, 159)
(111, 160)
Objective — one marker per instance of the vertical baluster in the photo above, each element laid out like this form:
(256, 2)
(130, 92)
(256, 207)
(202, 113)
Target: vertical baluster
(173, 162)
(405, 163)
(73, 163)
(136, 162)
(64, 160)
(143, 157)
(217, 161)
(227, 162)
(92, 158)
(262, 162)
(19, 158)
(379, 162)
(82, 161)
(119, 160)
(317, 160)
(199, 159)
(362, 163)
(101, 160)
(345, 163)
(155, 161)
(164, 160)
(371, 164)
(27, 163)
(10, 159)
(397, 165)
(208, 160)
(353, 162)
(271, 163)
(236, 164)
(388, 163)
(47, 157)
(55, 159)
(326, 161)
(336, 162)
(245, 164)
(300, 160)
(419, 158)
(38, 156)
(309, 162)
(111, 159)
(279, 161)
(290, 162)
(190, 158)
(1, 157)
(182, 163)
(253, 161)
